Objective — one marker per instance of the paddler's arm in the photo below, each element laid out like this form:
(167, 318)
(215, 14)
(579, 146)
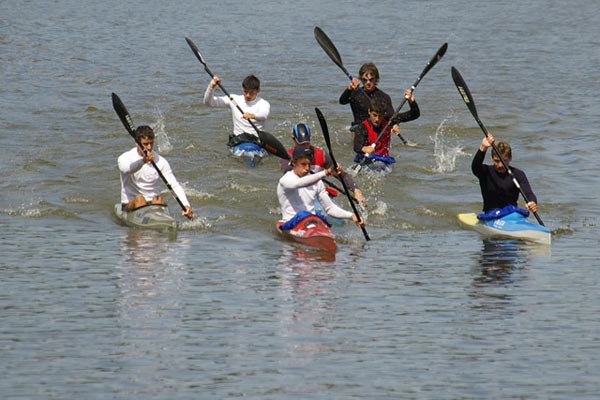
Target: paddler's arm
(477, 164)
(411, 114)
(347, 93)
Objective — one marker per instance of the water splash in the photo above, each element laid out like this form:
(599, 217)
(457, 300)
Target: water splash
(445, 153)
(163, 142)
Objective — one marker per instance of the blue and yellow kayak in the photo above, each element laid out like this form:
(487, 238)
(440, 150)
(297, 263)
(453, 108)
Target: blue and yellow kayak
(513, 225)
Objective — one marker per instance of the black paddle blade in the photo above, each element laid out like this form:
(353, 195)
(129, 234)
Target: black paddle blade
(435, 59)
(325, 130)
(195, 50)
(464, 91)
(124, 116)
(273, 145)
(329, 48)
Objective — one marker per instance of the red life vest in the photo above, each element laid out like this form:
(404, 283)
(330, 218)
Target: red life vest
(383, 145)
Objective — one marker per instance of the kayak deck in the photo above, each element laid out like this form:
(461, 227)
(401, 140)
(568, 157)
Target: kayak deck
(513, 225)
(152, 216)
(311, 231)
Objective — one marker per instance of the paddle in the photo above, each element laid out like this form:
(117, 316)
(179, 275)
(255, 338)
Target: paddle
(268, 141)
(330, 49)
(130, 127)
(334, 186)
(434, 60)
(335, 165)
(327, 45)
(465, 93)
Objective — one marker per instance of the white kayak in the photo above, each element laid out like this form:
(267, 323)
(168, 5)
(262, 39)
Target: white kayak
(148, 217)
(514, 225)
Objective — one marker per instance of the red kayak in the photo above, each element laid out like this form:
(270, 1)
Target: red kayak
(311, 231)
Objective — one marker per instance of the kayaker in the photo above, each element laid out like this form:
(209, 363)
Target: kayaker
(255, 108)
(367, 132)
(140, 182)
(297, 189)
(497, 187)
(360, 98)
(320, 161)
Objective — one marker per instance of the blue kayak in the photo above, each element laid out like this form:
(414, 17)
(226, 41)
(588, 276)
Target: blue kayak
(513, 225)
(374, 163)
(250, 153)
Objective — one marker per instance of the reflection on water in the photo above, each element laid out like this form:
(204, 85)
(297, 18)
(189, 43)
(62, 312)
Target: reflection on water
(501, 258)
(149, 310)
(498, 259)
(308, 283)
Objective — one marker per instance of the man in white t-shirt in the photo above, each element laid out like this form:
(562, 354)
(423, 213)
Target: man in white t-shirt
(254, 108)
(140, 182)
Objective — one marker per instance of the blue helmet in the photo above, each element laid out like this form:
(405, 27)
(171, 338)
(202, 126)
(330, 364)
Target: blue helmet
(302, 133)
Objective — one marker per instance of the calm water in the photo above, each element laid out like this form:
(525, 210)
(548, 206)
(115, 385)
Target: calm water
(224, 309)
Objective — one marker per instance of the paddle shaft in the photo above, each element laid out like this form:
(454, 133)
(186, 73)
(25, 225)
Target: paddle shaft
(268, 141)
(465, 93)
(434, 60)
(325, 130)
(333, 185)
(125, 118)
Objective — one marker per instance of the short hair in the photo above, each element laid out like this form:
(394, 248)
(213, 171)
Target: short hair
(251, 82)
(378, 105)
(369, 68)
(504, 149)
(144, 131)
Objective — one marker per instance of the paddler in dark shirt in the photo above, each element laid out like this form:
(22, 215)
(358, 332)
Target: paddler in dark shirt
(360, 98)
(497, 187)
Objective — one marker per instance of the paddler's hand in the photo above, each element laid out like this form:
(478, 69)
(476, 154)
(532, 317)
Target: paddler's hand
(532, 206)
(248, 115)
(148, 156)
(214, 82)
(409, 95)
(354, 83)
(333, 171)
(396, 129)
(368, 149)
(359, 196)
(187, 212)
(360, 223)
(486, 142)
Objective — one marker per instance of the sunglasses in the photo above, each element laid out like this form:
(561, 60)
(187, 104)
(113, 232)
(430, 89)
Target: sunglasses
(365, 80)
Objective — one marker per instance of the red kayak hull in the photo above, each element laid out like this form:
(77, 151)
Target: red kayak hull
(313, 232)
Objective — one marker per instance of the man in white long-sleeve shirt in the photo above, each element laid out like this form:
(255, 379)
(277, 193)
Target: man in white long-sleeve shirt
(140, 182)
(297, 189)
(254, 108)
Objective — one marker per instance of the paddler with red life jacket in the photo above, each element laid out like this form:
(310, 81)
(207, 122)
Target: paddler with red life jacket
(367, 132)
(320, 161)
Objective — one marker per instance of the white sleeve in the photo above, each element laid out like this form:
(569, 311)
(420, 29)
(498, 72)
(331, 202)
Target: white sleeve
(329, 206)
(213, 101)
(129, 163)
(263, 110)
(292, 181)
